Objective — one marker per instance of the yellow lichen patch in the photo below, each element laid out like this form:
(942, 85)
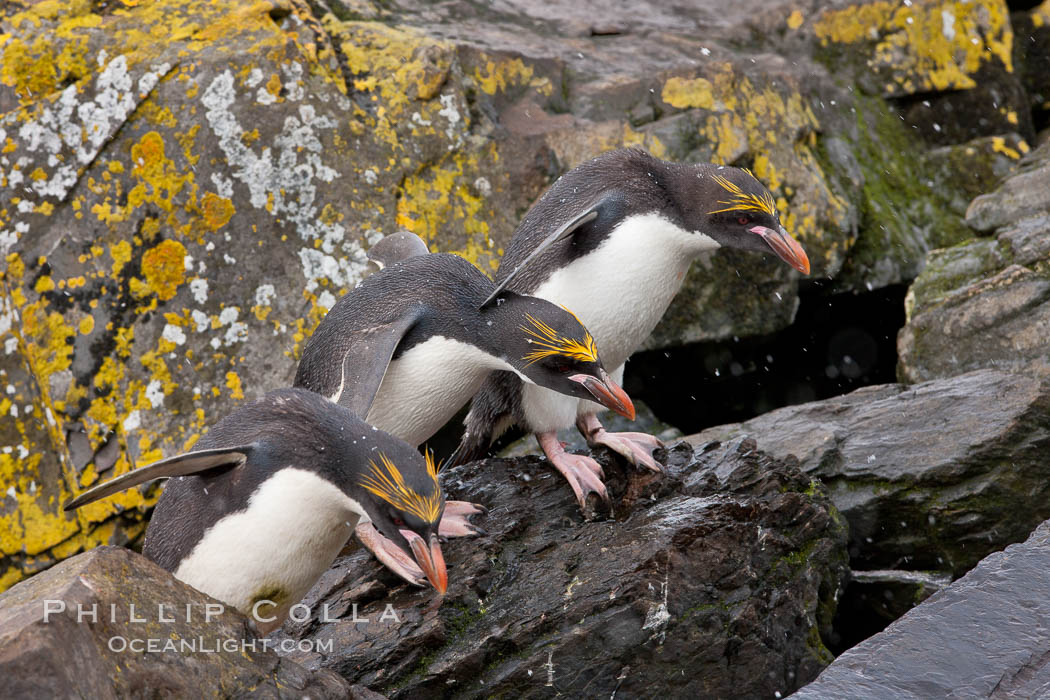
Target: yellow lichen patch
(502, 73)
(795, 19)
(1041, 15)
(438, 197)
(32, 528)
(233, 383)
(999, 146)
(39, 65)
(402, 68)
(164, 268)
(86, 325)
(45, 341)
(927, 44)
(217, 211)
(686, 93)
(159, 181)
(44, 284)
(121, 254)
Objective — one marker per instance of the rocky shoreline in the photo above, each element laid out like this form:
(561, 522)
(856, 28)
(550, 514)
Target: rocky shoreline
(178, 213)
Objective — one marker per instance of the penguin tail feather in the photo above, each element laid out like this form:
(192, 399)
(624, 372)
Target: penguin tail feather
(490, 415)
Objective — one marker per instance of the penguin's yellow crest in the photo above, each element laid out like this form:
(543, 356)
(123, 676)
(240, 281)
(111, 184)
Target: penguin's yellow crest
(744, 201)
(385, 480)
(548, 342)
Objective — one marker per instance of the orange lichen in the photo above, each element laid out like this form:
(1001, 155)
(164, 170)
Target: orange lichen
(164, 268)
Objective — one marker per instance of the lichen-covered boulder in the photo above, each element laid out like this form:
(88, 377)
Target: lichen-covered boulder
(186, 187)
(986, 302)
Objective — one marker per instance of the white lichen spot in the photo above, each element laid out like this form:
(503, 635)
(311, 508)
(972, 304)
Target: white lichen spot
(201, 319)
(483, 186)
(215, 343)
(133, 421)
(255, 77)
(326, 299)
(229, 315)
(370, 176)
(173, 334)
(264, 294)
(948, 24)
(264, 96)
(282, 177)
(199, 289)
(10, 345)
(223, 185)
(451, 113)
(155, 393)
(237, 332)
(293, 81)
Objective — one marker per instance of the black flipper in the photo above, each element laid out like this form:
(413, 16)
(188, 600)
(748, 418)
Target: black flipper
(396, 247)
(564, 231)
(180, 465)
(366, 360)
(491, 414)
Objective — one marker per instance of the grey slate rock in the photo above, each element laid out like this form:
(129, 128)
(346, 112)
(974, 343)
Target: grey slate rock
(985, 636)
(930, 477)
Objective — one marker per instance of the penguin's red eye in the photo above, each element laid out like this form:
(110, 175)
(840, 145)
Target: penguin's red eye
(742, 220)
(399, 522)
(562, 369)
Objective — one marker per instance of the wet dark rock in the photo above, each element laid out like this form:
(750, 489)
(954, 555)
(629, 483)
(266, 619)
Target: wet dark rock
(985, 636)
(874, 599)
(930, 477)
(718, 578)
(59, 655)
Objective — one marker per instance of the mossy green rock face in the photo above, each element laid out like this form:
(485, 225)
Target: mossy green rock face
(986, 302)
(186, 187)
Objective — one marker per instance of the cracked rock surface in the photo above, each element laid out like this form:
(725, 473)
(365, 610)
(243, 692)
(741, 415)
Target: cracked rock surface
(716, 579)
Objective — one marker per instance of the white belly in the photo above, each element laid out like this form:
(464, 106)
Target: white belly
(620, 291)
(425, 387)
(277, 548)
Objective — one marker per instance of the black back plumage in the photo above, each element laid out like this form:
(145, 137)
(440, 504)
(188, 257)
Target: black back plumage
(625, 181)
(442, 291)
(286, 428)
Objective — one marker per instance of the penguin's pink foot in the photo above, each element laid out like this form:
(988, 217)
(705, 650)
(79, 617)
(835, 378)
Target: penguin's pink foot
(636, 448)
(455, 521)
(583, 473)
(389, 554)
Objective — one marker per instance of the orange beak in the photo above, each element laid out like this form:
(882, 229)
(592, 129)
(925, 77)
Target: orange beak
(430, 559)
(786, 247)
(607, 392)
